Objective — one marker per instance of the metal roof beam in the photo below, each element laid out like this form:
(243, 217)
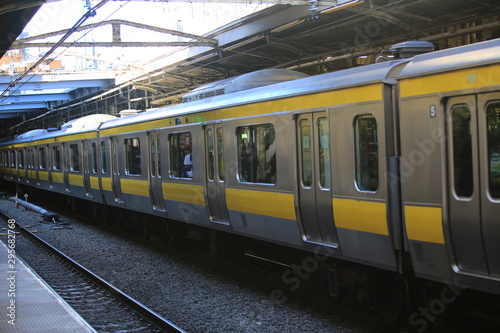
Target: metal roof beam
(111, 44)
(199, 40)
(272, 2)
(37, 98)
(59, 85)
(20, 107)
(17, 114)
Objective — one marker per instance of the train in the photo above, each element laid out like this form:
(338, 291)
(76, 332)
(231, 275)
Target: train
(393, 166)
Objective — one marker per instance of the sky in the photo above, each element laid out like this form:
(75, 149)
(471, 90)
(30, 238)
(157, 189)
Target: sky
(195, 18)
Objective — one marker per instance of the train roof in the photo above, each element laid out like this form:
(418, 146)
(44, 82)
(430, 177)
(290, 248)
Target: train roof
(478, 54)
(81, 125)
(313, 84)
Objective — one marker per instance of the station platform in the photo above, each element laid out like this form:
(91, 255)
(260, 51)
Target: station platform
(28, 304)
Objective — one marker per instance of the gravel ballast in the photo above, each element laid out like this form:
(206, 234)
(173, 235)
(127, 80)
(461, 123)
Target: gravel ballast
(197, 299)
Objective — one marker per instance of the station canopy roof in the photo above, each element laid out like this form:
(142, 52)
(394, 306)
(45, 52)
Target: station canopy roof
(317, 37)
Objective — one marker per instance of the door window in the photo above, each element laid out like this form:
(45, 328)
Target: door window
(133, 156)
(104, 166)
(306, 149)
(74, 158)
(220, 153)
(210, 154)
(324, 153)
(366, 145)
(56, 158)
(493, 123)
(462, 150)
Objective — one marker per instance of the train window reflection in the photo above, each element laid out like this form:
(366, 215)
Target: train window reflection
(94, 158)
(74, 158)
(366, 145)
(306, 152)
(181, 158)
(493, 123)
(104, 163)
(20, 158)
(210, 152)
(42, 158)
(56, 158)
(256, 154)
(133, 156)
(462, 150)
(13, 158)
(324, 153)
(220, 154)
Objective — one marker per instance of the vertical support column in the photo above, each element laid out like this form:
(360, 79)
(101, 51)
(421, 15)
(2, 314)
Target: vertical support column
(116, 32)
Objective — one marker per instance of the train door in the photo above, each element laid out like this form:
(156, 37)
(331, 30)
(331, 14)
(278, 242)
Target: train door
(473, 127)
(314, 178)
(154, 173)
(215, 183)
(115, 171)
(87, 168)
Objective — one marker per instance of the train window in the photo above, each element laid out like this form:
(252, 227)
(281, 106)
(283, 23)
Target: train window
(94, 158)
(462, 150)
(154, 156)
(256, 154)
(12, 158)
(56, 158)
(220, 153)
(158, 156)
(20, 158)
(181, 159)
(210, 152)
(306, 150)
(133, 156)
(324, 153)
(366, 146)
(493, 123)
(31, 158)
(42, 158)
(74, 158)
(104, 168)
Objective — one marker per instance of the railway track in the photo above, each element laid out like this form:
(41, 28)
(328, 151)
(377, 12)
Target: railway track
(268, 274)
(102, 305)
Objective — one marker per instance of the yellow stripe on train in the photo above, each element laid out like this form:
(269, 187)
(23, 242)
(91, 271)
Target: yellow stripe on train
(424, 224)
(135, 186)
(75, 179)
(366, 93)
(453, 81)
(367, 216)
(187, 193)
(281, 205)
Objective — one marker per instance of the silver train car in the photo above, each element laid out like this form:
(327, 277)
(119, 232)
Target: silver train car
(394, 165)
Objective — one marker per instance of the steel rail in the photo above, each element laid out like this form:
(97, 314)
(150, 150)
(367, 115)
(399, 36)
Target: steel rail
(137, 306)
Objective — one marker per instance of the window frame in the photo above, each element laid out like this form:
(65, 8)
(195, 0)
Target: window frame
(72, 154)
(176, 167)
(359, 179)
(255, 141)
(131, 148)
